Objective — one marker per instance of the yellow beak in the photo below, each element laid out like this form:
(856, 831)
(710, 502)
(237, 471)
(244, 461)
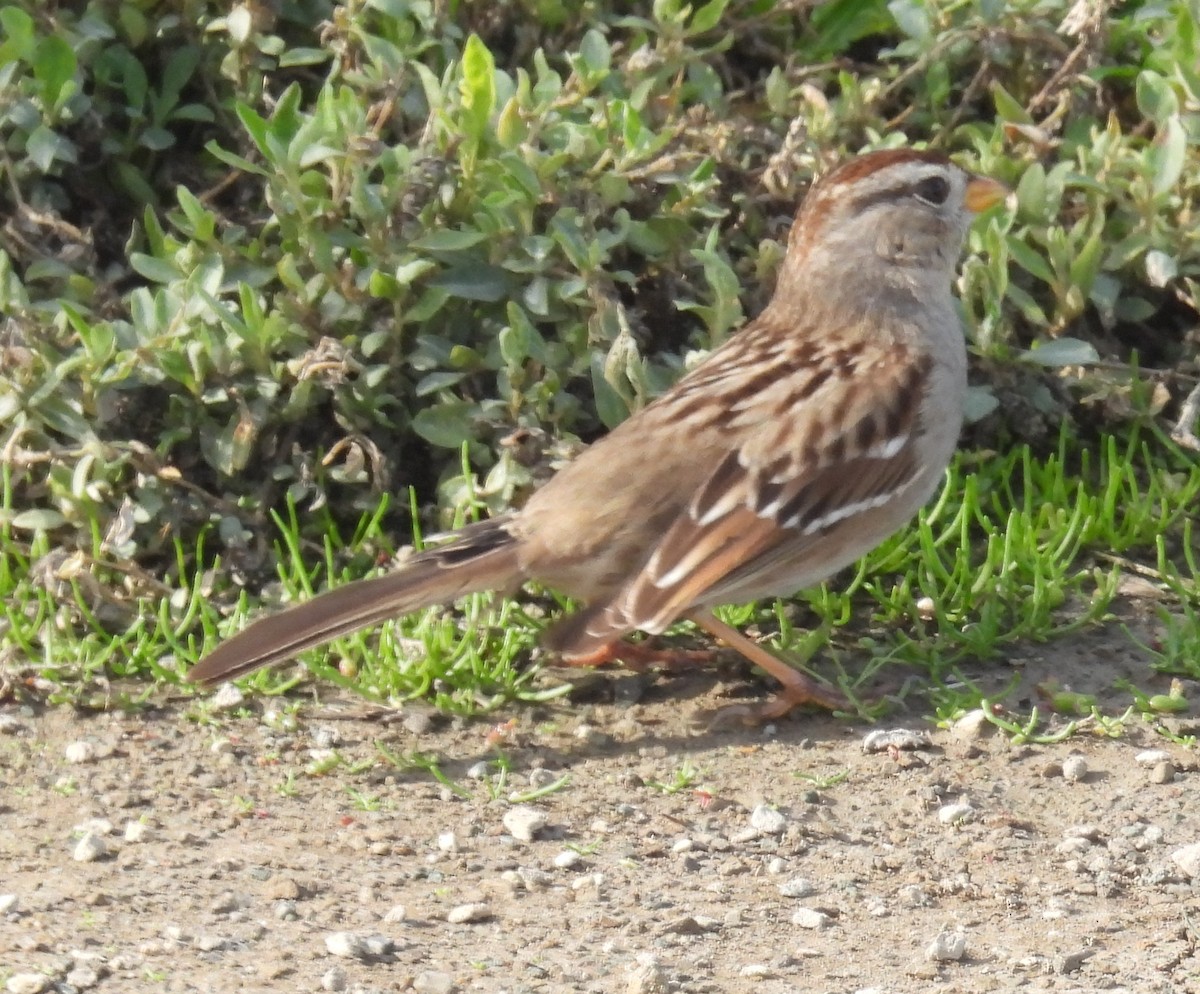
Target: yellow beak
(983, 193)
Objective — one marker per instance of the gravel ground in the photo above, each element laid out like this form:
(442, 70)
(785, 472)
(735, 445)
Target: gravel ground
(156, 852)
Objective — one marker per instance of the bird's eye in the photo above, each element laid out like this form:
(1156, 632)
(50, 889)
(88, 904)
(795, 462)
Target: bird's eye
(934, 190)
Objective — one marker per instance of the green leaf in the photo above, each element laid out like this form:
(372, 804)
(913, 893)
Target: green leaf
(44, 146)
(1030, 261)
(478, 88)
(19, 42)
(474, 282)
(156, 270)
(38, 519)
(447, 425)
(707, 17)
(842, 22)
(445, 240)
(1062, 352)
(53, 66)
(1168, 155)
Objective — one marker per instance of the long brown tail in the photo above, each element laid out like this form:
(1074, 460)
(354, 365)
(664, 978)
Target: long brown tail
(482, 557)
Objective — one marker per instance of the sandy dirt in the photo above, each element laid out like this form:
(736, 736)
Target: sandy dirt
(272, 846)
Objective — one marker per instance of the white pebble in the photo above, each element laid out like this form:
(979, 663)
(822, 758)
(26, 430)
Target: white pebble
(810, 918)
(1188, 860)
(884, 739)
(463, 913)
(89, 849)
(567, 859)
(10, 725)
(767, 820)
(27, 983)
(82, 978)
(433, 982)
(524, 822)
(971, 726)
(345, 944)
(955, 814)
(1074, 768)
(478, 771)
(136, 831)
(797, 887)
(947, 946)
(226, 698)
(757, 971)
(647, 977)
(1148, 757)
(221, 746)
(9, 903)
(926, 608)
(397, 913)
(79, 752)
(447, 842)
(334, 979)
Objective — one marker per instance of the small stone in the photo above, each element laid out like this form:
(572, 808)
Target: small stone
(1072, 962)
(797, 887)
(647, 977)
(912, 896)
(810, 918)
(397, 913)
(27, 983)
(947, 946)
(326, 737)
(9, 903)
(524, 822)
(926, 608)
(345, 944)
(756, 971)
(534, 878)
(136, 831)
(82, 978)
(1163, 772)
(227, 698)
(334, 979)
(1149, 757)
(567, 859)
(447, 842)
(1188, 860)
(433, 982)
(955, 814)
(767, 820)
(10, 724)
(79, 752)
(378, 946)
(478, 771)
(886, 739)
(285, 911)
(541, 778)
(463, 913)
(1074, 769)
(972, 726)
(89, 849)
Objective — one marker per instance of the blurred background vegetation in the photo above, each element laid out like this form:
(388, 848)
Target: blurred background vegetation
(293, 256)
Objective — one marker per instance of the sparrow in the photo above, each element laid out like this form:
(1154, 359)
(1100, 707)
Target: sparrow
(806, 439)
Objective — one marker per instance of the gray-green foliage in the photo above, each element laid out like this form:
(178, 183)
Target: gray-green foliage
(311, 252)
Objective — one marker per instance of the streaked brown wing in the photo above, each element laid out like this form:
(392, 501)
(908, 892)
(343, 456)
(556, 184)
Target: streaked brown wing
(762, 508)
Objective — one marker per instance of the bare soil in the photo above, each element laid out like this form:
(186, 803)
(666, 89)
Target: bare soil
(698, 859)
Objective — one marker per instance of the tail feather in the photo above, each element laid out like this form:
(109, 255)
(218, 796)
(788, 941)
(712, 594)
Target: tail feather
(483, 557)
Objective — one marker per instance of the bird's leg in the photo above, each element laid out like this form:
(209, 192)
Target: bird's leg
(797, 688)
(640, 657)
